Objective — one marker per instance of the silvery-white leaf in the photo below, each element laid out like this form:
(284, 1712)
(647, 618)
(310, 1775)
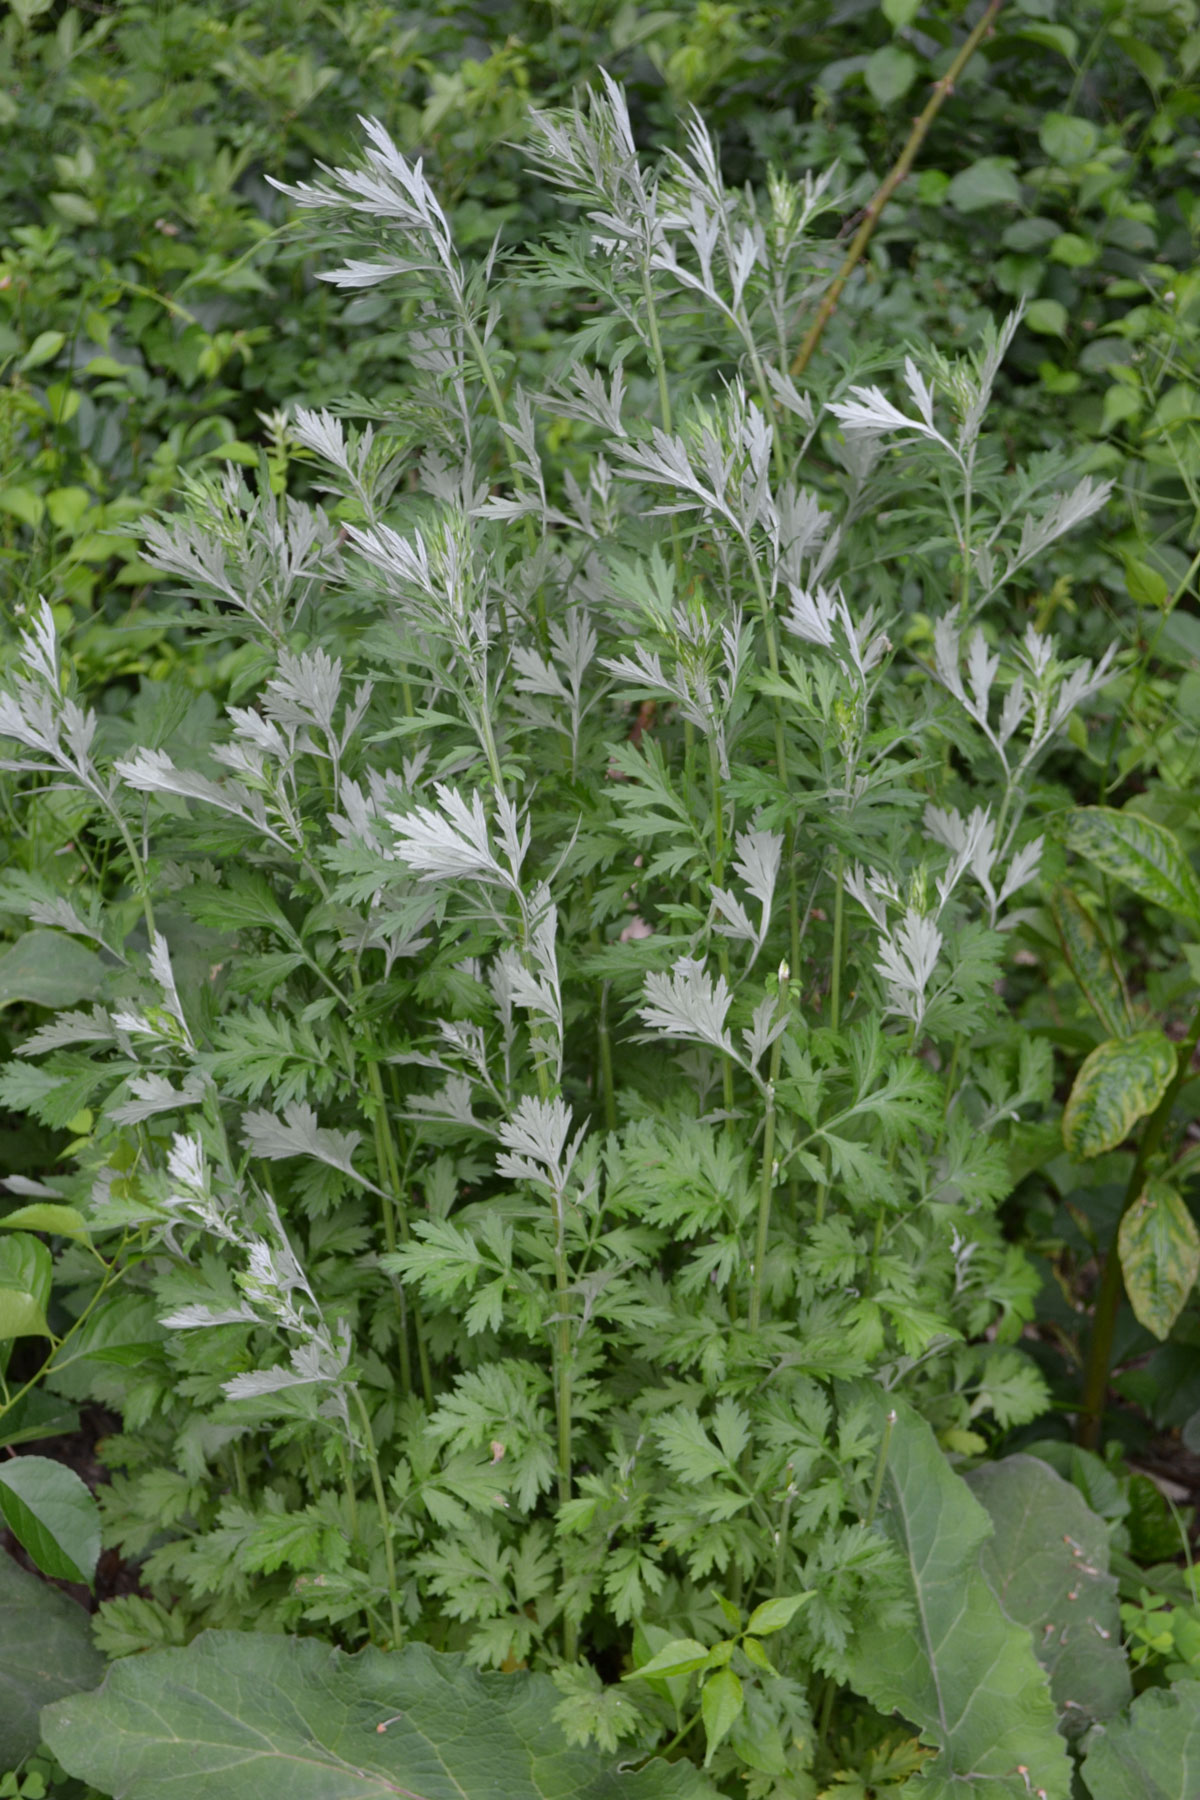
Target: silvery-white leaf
(730, 917)
(196, 1316)
(447, 844)
(299, 1134)
(1023, 868)
(765, 1027)
(688, 1003)
(30, 1190)
(154, 1094)
(94, 1027)
(757, 863)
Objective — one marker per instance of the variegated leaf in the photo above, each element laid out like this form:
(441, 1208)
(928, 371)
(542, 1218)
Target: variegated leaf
(1141, 853)
(1120, 1082)
(1160, 1256)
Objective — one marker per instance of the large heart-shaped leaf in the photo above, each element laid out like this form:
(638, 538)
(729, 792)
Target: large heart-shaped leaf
(49, 1510)
(49, 969)
(1159, 1248)
(237, 1716)
(1047, 1564)
(1141, 853)
(963, 1673)
(45, 1652)
(1154, 1753)
(1118, 1084)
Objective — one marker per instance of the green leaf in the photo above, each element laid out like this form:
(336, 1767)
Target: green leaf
(1141, 853)
(23, 503)
(1067, 140)
(679, 1657)
(50, 1511)
(26, 1271)
(1159, 1248)
(964, 1674)
(773, 1615)
(1146, 586)
(1153, 1753)
(988, 182)
(900, 13)
(43, 1215)
(45, 1653)
(50, 970)
(299, 1719)
(45, 346)
(1118, 1084)
(1091, 962)
(890, 73)
(1047, 1564)
(721, 1703)
(35, 1416)
(1048, 317)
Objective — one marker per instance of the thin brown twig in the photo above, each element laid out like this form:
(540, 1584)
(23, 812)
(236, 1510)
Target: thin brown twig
(891, 181)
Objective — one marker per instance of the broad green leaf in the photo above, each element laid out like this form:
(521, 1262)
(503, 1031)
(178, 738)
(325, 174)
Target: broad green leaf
(679, 1657)
(45, 1652)
(721, 1702)
(50, 970)
(26, 1271)
(900, 13)
(299, 1721)
(988, 182)
(1118, 1084)
(1153, 1754)
(890, 73)
(1091, 962)
(50, 1511)
(1047, 317)
(1066, 139)
(23, 503)
(45, 1215)
(773, 1615)
(1047, 1564)
(1146, 585)
(1139, 852)
(36, 1416)
(1159, 1248)
(45, 346)
(964, 1674)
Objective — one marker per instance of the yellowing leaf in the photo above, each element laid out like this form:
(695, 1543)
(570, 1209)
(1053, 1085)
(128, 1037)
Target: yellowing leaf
(1159, 1248)
(1119, 1083)
(1141, 853)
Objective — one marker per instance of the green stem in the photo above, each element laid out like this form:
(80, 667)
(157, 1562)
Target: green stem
(384, 1516)
(835, 990)
(562, 1384)
(1108, 1300)
(765, 1184)
(885, 1444)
